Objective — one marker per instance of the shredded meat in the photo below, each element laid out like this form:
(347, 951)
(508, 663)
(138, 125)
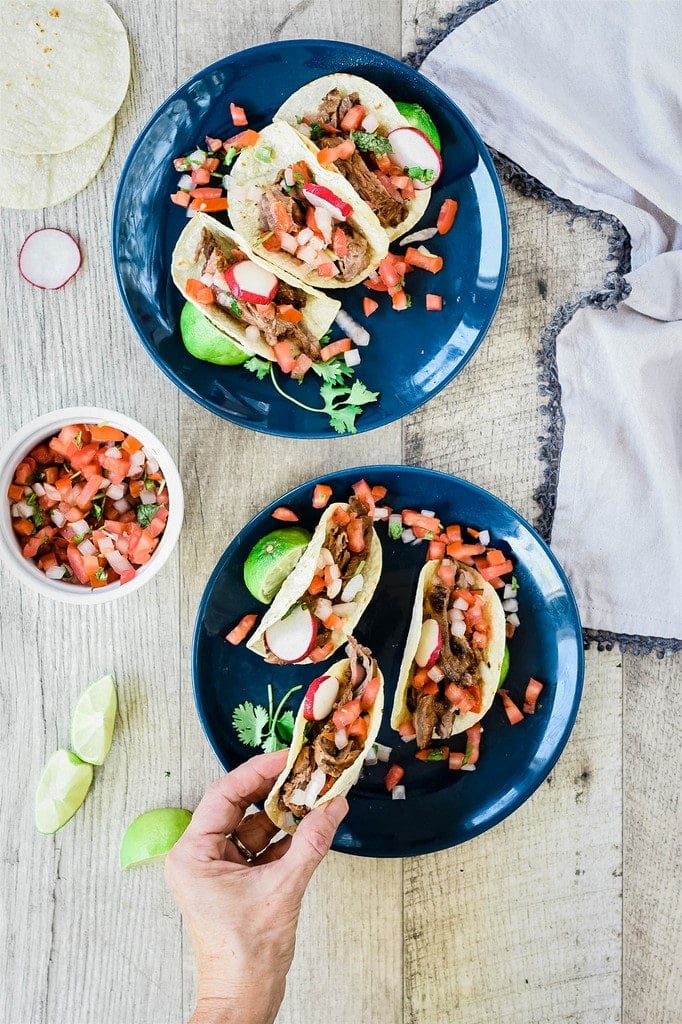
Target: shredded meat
(288, 214)
(331, 760)
(300, 776)
(390, 210)
(333, 108)
(453, 662)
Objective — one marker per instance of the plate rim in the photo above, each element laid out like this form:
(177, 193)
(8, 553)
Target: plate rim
(114, 234)
(567, 728)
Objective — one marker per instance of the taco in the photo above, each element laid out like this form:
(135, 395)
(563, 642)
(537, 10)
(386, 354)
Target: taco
(302, 217)
(321, 601)
(453, 655)
(336, 725)
(203, 268)
(337, 107)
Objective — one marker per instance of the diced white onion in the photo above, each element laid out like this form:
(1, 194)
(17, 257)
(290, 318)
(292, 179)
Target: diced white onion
(189, 213)
(307, 254)
(352, 357)
(298, 797)
(86, 547)
(148, 497)
(398, 793)
(334, 589)
(58, 518)
(52, 493)
(325, 557)
(152, 463)
(289, 177)
(455, 615)
(419, 236)
(80, 526)
(484, 537)
(138, 457)
(380, 513)
(353, 587)
(435, 674)
(122, 505)
(334, 571)
(252, 334)
(304, 236)
(383, 752)
(303, 129)
(314, 787)
(422, 249)
(105, 543)
(118, 562)
(370, 123)
(340, 738)
(407, 536)
(116, 491)
(39, 490)
(458, 627)
(185, 182)
(227, 182)
(355, 331)
(323, 219)
(113, 453)
(323, 608)
(508, 592)
(418, 540)
(197, 157)
(468, 768)
(460, 604)
(56, 572)
(510, 605)
(429, 513)
(513, 619)
(206, 279)
(288, 242)
(345, 608)
(22, 508)
(371, 756)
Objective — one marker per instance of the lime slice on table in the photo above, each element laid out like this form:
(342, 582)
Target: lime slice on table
(415, 115)
(204, 341)
(152, 834)
(92, 724)
(62, 789)
(271, 560)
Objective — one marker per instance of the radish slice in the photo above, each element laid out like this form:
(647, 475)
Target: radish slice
(293, 637)
(49, 258)
(323, 198)
(319, 699)
(251, 283)
(411, 148)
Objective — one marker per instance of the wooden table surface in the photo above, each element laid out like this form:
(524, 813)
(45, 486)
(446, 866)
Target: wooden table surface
(569, 911)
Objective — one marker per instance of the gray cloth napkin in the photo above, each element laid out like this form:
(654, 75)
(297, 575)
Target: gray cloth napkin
(587, 97)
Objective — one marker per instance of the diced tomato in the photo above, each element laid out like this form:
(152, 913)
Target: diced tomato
(462, 552)
(290, 314)
(285, 515)
(271, 243)
(333, 622)
(354, 118)
(460, 697)
(433, 754)
(345, 715)
(375, 284)
(321, 653)
(242, 629)
(533, 691)
(369, 305)
(416, 258)
(321, 495)
(317, 585)
(494, 557)
(379, 492)
(393, 776)
(356, 540)
(301, 367)
(200, 176)
(363, 492)
(340, 243)
(412, 518)
(455, 760)
(436, 550)
(400, 181)
(446, 216)
(388, 273)
(501, 569)
(384, 163)
(340, 517)
(15, 492)
(430, 687)
(513, 713)
(209, 205)
(479, 639)
(406, 730)
(420, 678)
(325, 268)
(131, 445)
(206, 193)
(88, 491)
(198, 291)
(35, 543)
(24, 472)
(286, 360)
(329, 154)
(454, 534)
(434, 303)
(399, 299)
(24, 527)
(213, 144)
(446, 570)
(473, 743)
(335, 348)
(358, 729)
(301, 172)
(239, 118)
(370, 692)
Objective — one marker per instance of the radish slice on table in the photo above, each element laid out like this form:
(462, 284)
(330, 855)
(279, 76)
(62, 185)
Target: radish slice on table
(49, 258)
(411, 148)
(251, 283)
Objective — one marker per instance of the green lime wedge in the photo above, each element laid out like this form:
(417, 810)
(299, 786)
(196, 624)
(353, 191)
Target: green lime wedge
(204, 341)
(152, 834)
(271, 560)
(415, 115)
(504, 669)
(62, 789)
(92, 724)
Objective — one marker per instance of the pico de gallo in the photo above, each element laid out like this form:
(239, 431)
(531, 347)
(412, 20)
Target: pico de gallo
(89, 505)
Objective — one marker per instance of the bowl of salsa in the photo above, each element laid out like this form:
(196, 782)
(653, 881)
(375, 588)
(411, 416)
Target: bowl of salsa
(92, 505)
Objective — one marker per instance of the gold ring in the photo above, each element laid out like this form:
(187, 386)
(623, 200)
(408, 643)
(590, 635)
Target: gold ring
(246, 853)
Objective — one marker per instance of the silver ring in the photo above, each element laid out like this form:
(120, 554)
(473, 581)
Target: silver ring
(246, 853)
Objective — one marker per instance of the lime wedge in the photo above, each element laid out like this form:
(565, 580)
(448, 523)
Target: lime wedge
(152, 834)
(271, 560)
(415, 115)
(62, 789)
(92, 725)
(204, 341)
(504, 668)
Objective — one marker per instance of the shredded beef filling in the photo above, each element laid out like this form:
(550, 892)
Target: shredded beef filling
(319, 749)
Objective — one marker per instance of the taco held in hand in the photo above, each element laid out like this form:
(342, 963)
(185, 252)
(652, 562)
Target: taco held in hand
(319, 604)
(336, 725)
(242, 296)
(348, 109)
(453, 655)
(301, 216)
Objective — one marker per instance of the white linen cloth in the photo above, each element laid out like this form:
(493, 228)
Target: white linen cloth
(586, 96)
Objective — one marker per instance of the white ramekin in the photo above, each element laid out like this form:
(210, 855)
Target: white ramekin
(45, 427)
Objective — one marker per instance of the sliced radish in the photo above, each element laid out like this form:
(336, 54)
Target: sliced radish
(251, 283)
(429, 645)
(319, 699)
(293, 637)
(49, 258)
(322, 197)
(411, 148)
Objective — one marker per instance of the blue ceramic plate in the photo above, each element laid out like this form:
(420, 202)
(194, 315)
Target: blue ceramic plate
(443, 807)
(412, 354)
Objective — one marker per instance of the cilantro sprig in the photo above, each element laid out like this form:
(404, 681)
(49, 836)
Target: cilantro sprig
(268, 728)
(371, 142)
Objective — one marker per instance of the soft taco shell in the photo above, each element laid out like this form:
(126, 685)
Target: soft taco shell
(299, 579)
(348, 778)
(318, 313)
(289, 148)
(491, 656)
(307, 99)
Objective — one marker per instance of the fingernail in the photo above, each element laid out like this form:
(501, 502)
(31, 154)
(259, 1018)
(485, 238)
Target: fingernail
(336, 809)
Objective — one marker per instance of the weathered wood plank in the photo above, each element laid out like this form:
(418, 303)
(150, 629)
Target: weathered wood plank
(652, 854)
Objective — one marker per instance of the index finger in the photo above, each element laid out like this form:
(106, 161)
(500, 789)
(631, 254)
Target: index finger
(225, 801)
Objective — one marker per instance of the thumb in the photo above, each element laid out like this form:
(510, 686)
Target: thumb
(313, 837)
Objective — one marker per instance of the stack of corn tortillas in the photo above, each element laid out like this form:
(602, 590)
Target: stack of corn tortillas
(64, 73)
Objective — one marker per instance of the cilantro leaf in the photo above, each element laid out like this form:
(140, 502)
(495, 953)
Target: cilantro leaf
(425, 174)
(316, 131)
(343, 419)
(285, 727)
(250, 723)
(235, 308)
(38, 517)
(334, 370)
(145, 514)
(361, 395)
(343, 405)
(261, 367)
(371, 142)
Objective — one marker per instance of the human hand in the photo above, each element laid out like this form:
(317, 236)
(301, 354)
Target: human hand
(241, 914)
